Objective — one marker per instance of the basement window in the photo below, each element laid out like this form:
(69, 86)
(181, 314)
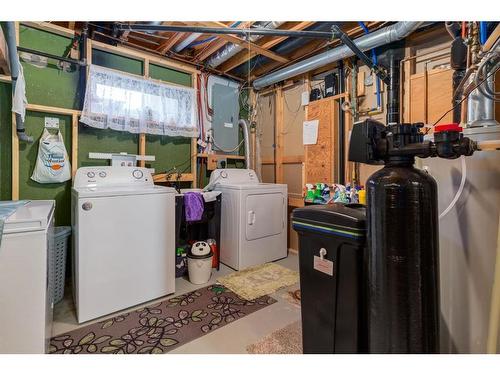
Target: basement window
(125, 102)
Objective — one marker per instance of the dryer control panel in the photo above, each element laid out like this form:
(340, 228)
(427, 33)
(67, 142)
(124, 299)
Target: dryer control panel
(235, 176)
(112, 176)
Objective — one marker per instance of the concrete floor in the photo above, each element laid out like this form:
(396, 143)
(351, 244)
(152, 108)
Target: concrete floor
(232, 338)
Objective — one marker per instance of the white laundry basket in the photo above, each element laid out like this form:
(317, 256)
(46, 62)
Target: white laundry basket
(58, 273)
(200, 263)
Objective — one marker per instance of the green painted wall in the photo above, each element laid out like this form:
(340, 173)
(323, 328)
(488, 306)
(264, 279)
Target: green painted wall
(49, 86)
(52, 87)
(170, 152)
(169, 75)
(29, 189)
(111, 60)
(5, 141)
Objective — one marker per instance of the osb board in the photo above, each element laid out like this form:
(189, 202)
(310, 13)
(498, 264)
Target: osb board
(268, 173)
(293, 117)
(292, 176)
(439, 96)
(265, 125)
(321, 158)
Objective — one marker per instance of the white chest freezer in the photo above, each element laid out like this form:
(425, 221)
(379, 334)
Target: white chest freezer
(25, 302)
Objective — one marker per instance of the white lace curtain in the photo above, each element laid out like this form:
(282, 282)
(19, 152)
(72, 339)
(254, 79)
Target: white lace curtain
(123, 102)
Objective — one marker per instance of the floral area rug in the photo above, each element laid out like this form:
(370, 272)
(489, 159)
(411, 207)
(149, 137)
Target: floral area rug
(254, 282)
(161, 327)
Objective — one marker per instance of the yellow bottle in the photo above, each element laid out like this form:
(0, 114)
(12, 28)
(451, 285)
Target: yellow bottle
(362, 196)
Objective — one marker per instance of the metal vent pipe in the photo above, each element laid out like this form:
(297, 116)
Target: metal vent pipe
(231, 50)
(378, 38)
(9, 31)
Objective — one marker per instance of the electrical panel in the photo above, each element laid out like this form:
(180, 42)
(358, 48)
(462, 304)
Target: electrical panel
(225, 105)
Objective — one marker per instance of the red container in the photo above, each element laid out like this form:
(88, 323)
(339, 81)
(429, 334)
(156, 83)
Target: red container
(213, 245)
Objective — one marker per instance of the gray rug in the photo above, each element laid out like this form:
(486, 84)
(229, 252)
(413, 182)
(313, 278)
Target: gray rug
(286, 340)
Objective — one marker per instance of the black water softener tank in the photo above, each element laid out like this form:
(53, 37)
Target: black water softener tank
(331, 249)
(402, 275)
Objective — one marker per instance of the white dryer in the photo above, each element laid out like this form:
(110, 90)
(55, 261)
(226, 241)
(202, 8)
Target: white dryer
(253, 218)
(124, 239)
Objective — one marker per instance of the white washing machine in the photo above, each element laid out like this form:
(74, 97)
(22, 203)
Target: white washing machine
(253, 218)
(25, 300)
(124, 240)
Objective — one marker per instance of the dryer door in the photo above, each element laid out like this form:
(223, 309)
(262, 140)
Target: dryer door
(264, 215)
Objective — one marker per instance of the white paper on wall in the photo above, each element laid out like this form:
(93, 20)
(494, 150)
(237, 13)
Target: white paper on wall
(310, 132)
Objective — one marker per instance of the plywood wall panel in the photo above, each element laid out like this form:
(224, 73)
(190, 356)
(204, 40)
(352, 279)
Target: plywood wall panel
(320, 159)
(292, 176)
(293, 116)
(265, 125)
(439, 94)
(268, 173)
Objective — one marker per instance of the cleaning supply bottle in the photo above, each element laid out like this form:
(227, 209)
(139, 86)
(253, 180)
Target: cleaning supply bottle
(325, 193)
(310, 193)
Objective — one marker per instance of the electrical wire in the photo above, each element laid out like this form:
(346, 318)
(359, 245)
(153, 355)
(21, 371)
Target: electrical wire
(178, 165)
(224, 150)
(466, 96)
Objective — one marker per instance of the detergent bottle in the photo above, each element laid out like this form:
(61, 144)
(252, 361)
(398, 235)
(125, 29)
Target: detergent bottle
(310, 193)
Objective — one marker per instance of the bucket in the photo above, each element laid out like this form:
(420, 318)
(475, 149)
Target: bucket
(200, 263)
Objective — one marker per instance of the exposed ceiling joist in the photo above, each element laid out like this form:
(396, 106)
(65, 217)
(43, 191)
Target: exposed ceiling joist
(210, 49)
(217, 44)
(168, 44)
(246, 44)
(266, 43)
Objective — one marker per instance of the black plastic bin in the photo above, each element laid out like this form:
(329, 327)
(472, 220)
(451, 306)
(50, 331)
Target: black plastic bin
(331, 250)
(207, 227)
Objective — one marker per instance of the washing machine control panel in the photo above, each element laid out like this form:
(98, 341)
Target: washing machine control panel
(93, 177)
(234, 176)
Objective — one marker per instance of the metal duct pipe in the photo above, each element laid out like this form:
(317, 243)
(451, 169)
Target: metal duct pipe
(192, 37)
(186, 42)
(480, 109)
(378, 38)
(9, 30)
(232, 49)
(246, 138)
(284, 48)
(226, 30)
